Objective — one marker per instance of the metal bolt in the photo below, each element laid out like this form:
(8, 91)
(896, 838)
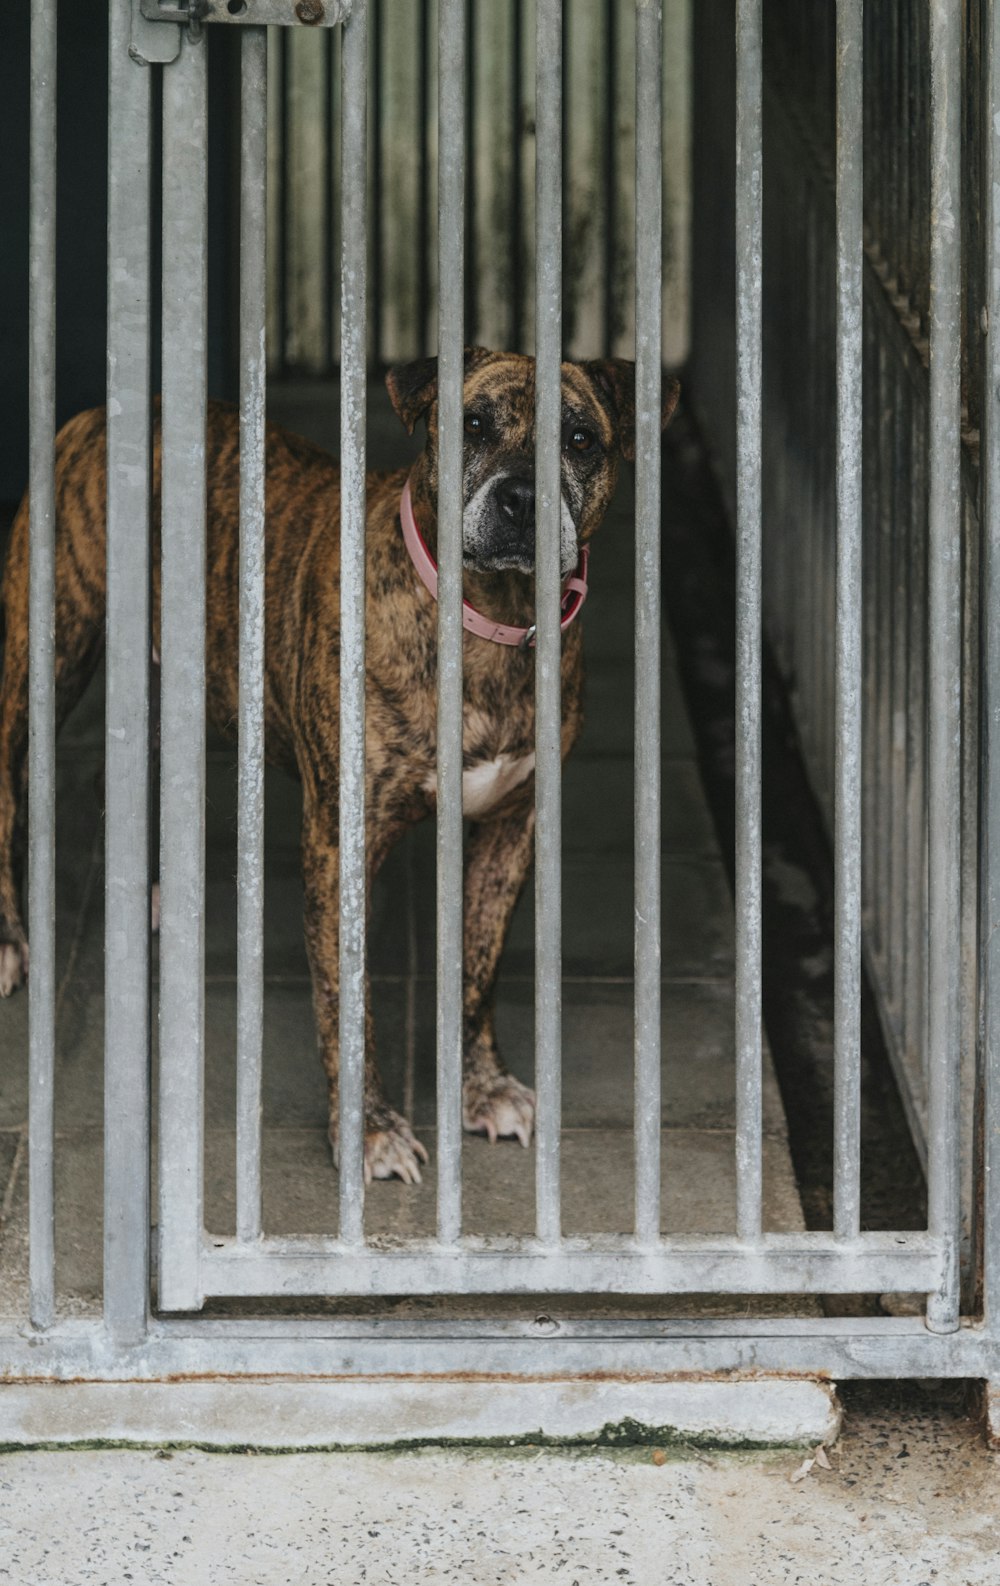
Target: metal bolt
(310, 11)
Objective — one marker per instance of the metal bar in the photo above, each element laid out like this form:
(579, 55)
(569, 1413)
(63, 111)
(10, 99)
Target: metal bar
(41, 684)
(945, 682)
(609, 174)
(451, 373)
(376, 278)
(353, 509)
(989, 891)
(834, 1348)
(548, 648)
(284, 206)
(182, 677)
(250, 796)
(126, 942)
(787, 1263)
(749, 259)
(329, 256)
(516, 169)
(424, 178)
(648, 401)
(847, 710)
(470, 281)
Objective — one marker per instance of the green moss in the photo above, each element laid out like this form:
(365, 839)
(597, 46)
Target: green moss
(624, 1435)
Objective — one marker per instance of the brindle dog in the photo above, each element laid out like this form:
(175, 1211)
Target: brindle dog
(302, 653)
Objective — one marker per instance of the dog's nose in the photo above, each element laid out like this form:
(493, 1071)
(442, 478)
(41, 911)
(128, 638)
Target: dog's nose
(516, 499)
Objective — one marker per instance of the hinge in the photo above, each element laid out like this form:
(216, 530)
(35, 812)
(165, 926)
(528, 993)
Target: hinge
(252, 13)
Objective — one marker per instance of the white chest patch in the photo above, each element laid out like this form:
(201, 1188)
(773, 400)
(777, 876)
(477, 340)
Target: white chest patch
(484, 785)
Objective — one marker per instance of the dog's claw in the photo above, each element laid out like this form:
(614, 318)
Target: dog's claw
(13, 966)
(498, 1106)
(392, 1151)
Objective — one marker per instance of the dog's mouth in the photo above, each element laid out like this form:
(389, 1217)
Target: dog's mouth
(501, 560)
(499, 528)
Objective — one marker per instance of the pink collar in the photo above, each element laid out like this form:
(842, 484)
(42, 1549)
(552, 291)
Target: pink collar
(573, 596)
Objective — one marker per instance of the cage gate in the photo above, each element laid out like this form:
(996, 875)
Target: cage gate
(877, 629)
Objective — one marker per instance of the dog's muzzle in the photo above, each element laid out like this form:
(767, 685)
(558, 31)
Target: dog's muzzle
(507, 526)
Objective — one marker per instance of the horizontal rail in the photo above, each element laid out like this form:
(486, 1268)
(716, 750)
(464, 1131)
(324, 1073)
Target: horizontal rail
(777, 1264)
(840, 1348)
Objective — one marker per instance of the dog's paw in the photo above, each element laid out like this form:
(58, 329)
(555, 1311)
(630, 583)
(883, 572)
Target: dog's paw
(394, 1152)
(391, 1151)
(497, 1105)
(13, 966)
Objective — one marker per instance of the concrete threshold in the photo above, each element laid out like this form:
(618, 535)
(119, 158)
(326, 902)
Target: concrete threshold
(394, 1412)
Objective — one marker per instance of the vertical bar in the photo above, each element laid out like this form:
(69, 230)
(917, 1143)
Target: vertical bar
(471, 217)
(989, 942)
(353, 418)
(284, 42)
(548, 648)
(648, 381)
(250, 795)
(182, 677)
(424, 199)
(329, 257)
(451, 371)
(126, 1031)
(41, 687)
(516, 167)
(944, 697)
(376, 294)
(749, 260)
(610, 173)
(847, 663)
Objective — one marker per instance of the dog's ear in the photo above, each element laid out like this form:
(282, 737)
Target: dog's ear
(615, 382)
(412, 387)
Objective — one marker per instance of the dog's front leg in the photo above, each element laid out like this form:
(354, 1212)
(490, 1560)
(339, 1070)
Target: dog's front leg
(498, 857)
(391, 1148)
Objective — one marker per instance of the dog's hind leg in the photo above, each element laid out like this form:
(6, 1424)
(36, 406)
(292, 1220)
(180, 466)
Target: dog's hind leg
(498, 858)
(13, 768)
(79, 627)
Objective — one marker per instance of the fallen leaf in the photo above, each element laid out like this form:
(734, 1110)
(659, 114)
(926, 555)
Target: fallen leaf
(803, 1470)
(819, 1455)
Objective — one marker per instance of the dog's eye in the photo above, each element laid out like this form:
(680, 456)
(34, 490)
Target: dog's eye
(474, 425)
(579, 439)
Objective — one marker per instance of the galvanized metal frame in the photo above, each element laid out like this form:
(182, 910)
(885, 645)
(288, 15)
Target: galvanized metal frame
(451, 377)
(353, 508)
(181, 1111)
(250, 805)
(42, 740)
(548, 643)
(129, 1341)
(749, 379)
(127, 897)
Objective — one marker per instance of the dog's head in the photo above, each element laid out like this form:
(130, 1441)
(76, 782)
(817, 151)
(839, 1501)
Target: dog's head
(598, 427)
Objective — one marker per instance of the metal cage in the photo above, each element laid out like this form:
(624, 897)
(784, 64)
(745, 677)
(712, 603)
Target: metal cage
(837, 348)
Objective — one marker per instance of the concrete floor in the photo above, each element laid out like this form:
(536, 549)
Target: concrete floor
(300, 1185)
(911, 1499)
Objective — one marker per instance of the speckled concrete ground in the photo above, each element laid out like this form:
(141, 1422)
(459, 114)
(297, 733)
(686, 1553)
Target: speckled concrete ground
(911, 1499)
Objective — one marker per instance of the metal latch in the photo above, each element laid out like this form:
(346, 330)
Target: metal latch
(253, 13)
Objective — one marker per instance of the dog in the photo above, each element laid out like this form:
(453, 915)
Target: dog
(302, 665)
